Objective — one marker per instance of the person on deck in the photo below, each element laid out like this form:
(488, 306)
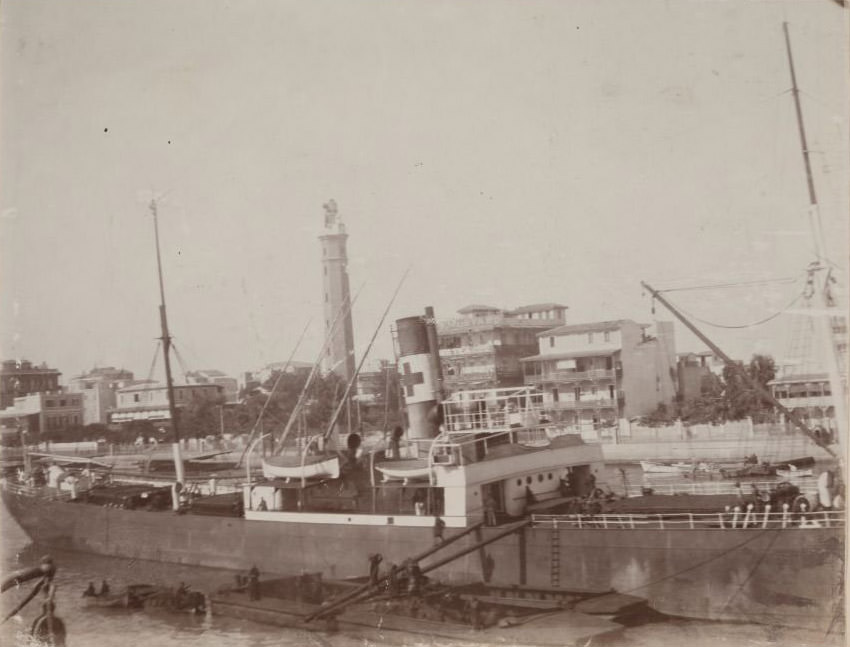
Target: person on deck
(395, 443)
(419, 502)
(374, 568)
(530, 499)
(489, 510)
(439, 527)
(90, 592)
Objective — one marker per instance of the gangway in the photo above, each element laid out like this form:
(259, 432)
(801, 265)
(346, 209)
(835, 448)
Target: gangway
(367, 590)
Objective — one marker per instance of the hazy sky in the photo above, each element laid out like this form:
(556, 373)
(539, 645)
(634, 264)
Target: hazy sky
(508, 152)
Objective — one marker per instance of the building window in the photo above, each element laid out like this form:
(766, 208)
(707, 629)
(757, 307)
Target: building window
(551, 342)
(62, 403)
(326, 297)
(135, 397)
(607, 335)
(590, 338)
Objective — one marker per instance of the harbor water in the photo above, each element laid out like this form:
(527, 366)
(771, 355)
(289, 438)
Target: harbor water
(87, 626)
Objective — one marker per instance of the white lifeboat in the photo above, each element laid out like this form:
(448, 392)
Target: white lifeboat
(314, 466)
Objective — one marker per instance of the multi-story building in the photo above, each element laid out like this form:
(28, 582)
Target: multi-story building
(594, 374)
(149, 401)
(808, 396)
(374, 380)
(20, 377)
(254, 380)
(229, 385)
(695, 373)
(98, 388)
(483, 347)
(41, 412)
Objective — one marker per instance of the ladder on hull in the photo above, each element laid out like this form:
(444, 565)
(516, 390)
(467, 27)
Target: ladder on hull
(555, 558)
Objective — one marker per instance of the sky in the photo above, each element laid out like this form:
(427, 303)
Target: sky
(507, 153)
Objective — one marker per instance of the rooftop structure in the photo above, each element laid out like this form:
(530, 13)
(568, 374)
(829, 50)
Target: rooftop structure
(482, 349)
(21, 377)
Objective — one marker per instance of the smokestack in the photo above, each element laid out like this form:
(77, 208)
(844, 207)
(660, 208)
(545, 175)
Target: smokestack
(420, 379)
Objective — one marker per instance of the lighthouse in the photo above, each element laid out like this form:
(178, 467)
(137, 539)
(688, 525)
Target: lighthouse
(339, 354)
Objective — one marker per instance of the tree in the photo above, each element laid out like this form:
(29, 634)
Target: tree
(200, 417)
(762, 370)
(740, 398)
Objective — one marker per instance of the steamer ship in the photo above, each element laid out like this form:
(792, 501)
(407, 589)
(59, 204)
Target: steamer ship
(516, 494)
(488, 457)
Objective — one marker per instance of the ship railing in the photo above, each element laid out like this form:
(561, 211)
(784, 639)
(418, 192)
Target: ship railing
(739, 519)
(471, 447)
(490, 409)
(808, 488)
(37, 491)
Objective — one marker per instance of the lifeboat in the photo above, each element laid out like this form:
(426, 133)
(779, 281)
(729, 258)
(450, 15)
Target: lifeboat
(404, 469)
(315, 466)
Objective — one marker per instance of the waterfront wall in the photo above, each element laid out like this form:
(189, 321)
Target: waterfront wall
(728, 441)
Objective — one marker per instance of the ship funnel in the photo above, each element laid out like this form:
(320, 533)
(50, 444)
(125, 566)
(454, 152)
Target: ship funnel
(419, 374)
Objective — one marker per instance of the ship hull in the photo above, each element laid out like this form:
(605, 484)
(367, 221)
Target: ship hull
(773, 576)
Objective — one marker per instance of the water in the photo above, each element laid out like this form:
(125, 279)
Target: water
(102, 627)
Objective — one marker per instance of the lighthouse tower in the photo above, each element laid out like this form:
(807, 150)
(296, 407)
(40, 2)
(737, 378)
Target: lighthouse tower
(339, 356)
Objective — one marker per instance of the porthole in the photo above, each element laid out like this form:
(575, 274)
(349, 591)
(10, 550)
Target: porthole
(539, 478)
(519, 482)
(550, 476)
(528, 480)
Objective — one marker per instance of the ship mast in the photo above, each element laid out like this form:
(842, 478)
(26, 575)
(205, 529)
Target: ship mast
(819, 272)
(166, 351)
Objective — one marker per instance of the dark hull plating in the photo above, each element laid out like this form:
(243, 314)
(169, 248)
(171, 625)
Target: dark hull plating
(776, 576)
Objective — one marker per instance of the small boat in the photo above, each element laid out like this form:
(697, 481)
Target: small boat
(406, 469)
(660, 468)
(322, 465)
(133, 597)
(791, 472)
(748, 470)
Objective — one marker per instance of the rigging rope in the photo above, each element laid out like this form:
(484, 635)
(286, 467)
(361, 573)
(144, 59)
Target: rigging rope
(748, 325)
(181, 362)
(153, 362)
(714, 286)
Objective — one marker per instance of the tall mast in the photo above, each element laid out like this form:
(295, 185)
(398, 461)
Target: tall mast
(166, 351)
(820, 274)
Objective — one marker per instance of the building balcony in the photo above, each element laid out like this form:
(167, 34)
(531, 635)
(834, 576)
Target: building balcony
(573, 405)
(812, 402)
(568, 376)
(463, 324)
(464, 378)
(462, 351)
